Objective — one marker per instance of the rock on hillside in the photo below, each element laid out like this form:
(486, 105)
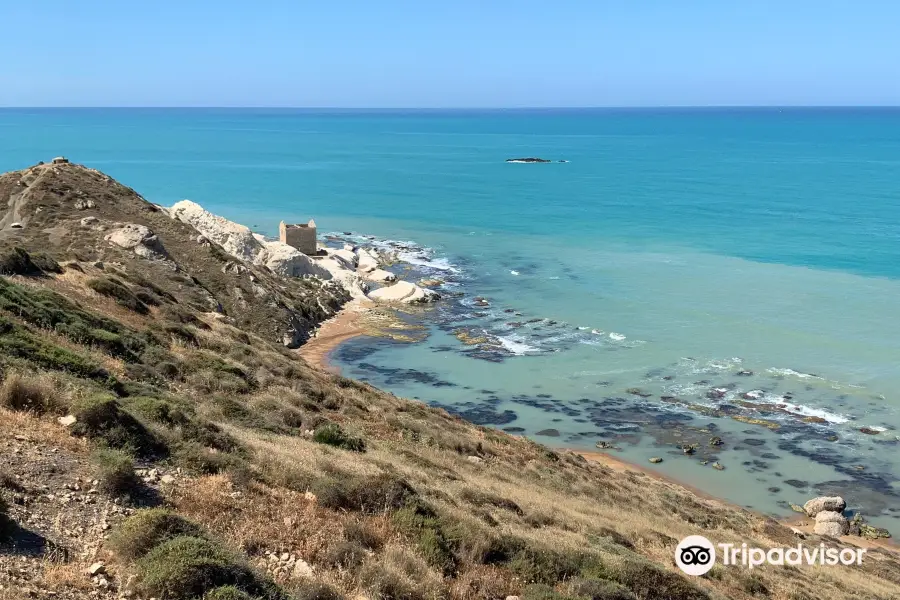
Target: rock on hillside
(72, 213)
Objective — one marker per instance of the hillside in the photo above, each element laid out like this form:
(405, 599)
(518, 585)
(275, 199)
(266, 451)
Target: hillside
(161, 439)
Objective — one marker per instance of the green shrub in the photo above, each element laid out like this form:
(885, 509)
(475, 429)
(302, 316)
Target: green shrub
(538, 565)
(18, 342)
(48, 310)
(313, 590)
(147, 529)
(422, 524)
(157, 410)
(646, 580)
(118, 291)
(480, 498)
(200, 459)
(227, 592)
(115, 470)
(369, 494)
(599, 589)
(333, 435)
(100, 418)
(189, 567)
(27, 394)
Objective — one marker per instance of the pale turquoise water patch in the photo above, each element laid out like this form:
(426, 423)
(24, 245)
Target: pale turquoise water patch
(675, 250)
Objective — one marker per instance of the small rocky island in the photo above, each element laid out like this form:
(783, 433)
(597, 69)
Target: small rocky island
(532, 159)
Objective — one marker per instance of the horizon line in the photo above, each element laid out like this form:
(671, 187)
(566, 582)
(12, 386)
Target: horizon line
(424, 108)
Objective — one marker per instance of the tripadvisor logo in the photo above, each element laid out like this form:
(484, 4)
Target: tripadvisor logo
(696, 555)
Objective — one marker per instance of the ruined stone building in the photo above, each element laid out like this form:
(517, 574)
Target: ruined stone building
(301, 236)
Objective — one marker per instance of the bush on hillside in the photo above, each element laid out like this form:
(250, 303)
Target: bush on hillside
(371, 494)
(646, 580)
(27, 394)
(189, 567)
(115, 470)
(314, 590)
(118, 291)
(227, 592)
(332, 435)
(20, 343)
(598, 589)
(146, 529)
(100, 418)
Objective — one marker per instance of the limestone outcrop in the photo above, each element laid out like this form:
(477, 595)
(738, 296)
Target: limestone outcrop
(381, 276)
(138, 238)
(235, 238)
(403, 292)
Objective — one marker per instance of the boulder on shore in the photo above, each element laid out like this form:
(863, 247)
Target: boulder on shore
(403, 292)
(824, 503)
(381, 276)
(829, 522)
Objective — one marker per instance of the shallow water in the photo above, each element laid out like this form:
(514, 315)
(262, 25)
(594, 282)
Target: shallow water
(675, 250)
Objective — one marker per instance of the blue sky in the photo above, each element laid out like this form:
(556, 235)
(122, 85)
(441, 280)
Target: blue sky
(464, 53)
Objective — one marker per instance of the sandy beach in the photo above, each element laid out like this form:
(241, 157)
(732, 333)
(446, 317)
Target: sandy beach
(346, 324)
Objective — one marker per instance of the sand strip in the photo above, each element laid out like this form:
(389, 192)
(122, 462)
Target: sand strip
(346, 324)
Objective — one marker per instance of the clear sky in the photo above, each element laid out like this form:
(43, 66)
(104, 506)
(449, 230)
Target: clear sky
(457, 53)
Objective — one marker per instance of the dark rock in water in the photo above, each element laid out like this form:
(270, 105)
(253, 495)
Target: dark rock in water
(528, 160)
(481, 415)
(544, 396)
(669, 377)
(744, 373)
(774, 489)
(869, 431)
(797, 483)
(348, 233)
(754, 442)
(769, 456)
(638, 392)
(398, 375)
(548, 432)
(514, 429)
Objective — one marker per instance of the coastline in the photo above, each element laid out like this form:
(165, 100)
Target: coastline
(344, 325)
(802, 523)
(347, 323)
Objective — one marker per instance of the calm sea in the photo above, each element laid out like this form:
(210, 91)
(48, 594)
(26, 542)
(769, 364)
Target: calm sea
(686, 274)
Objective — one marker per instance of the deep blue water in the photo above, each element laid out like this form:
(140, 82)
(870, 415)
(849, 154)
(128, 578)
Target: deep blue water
(814, 187)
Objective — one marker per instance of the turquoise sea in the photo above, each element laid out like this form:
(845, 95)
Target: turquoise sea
(686, 274)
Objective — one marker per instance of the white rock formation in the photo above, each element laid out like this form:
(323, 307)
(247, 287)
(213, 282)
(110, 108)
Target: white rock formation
(403, 292)
(235, 238)
(346, 257)
(829, 522)
(348, 278)
(287, 261)
(138, 238)
(367, 261)
(381, 276)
